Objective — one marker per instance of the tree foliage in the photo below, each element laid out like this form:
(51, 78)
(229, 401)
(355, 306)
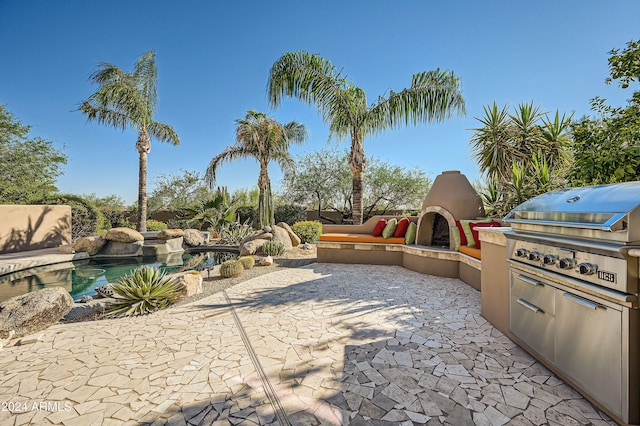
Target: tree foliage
(323, 182)
(28, 166)
(433, 96)
(261, 137)
(607, 149)
(129, 100)
(175, 192)
(624, 65)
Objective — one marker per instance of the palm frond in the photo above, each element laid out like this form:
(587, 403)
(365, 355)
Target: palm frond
(230, 154)
(433, 97)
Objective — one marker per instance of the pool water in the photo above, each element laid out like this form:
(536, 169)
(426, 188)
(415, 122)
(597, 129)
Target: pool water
(82, 277)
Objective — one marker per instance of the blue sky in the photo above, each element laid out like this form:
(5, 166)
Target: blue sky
(214, 57)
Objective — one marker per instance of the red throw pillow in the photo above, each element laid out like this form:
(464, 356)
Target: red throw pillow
(463, 237)
(474, 231)
(377, 230)
(401, 228)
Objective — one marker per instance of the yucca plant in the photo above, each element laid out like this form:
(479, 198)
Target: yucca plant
(144, 291)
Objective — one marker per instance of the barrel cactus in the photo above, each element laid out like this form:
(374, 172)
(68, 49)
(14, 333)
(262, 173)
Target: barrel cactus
(231, 268)
(247, 261)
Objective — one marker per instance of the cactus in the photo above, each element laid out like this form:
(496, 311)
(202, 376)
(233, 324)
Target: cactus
(247, 261)
(273, 248)
(231, 268)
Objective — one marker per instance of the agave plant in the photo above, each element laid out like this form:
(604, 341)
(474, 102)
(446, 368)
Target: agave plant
(144, 291)
(232, 233)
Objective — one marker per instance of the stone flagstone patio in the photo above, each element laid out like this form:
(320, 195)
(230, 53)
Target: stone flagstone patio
(325, 344)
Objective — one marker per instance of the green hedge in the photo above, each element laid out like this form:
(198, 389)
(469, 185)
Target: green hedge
(309, 231)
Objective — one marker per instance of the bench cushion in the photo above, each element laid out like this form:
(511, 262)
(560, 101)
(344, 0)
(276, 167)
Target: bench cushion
(359, 238)
(470, 251)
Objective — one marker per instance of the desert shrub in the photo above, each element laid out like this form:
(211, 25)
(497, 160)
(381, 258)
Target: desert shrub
(232, 233)
(289, 213)
(247, 214)
(86, 219)
(308, 231)
(118, 218)
(156, 225)
(145, 290)
(273, 248)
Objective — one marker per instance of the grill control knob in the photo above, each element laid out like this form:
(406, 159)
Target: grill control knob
(566, 263)
(521, 252)
(587, 268)
(549, 259)
(535, 255)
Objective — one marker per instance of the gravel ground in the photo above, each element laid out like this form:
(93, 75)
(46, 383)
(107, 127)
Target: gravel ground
(212, 283)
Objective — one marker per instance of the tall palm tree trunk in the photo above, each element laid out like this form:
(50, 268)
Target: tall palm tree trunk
(356, 164)
(143, 146)
(265, 201)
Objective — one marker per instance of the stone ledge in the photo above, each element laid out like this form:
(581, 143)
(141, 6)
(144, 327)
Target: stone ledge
(31, 261)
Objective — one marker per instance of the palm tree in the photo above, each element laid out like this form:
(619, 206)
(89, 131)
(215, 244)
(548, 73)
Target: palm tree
(128, 100)
(433, 96)
(261, 137)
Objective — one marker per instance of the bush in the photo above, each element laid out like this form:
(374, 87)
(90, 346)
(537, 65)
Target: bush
(144, 291)
(247, 214)
(289, 213)
(309, 231)
(86, 219)
(273, 248)
(156, 225)
(232, 233)
(118, 218)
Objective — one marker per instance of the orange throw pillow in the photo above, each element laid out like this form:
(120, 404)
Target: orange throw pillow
(377, 230)
(401, 228)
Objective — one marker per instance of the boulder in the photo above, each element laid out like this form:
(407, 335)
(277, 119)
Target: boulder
(118, 249)
(191, 283)
(259, 235)
(266, 261)
(123, 235)
(295, 240)
(169, 234)
(251, 247)
(282, 236)
(193, 237)
(34, 311)
(90, 245)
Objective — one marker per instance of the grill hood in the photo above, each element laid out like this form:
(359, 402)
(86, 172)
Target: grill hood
(603, 212)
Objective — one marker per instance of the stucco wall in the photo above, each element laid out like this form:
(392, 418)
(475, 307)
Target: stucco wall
(33, 227)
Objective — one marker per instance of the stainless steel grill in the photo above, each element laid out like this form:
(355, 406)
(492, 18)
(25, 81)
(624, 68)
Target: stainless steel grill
(574, 266)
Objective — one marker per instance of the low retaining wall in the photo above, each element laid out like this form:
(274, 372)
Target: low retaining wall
(24, 228)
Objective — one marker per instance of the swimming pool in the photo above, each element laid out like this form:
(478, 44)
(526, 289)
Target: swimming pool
(82, 277)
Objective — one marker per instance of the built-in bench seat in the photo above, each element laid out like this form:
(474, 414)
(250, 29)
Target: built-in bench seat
(423, 259)
(348, 237)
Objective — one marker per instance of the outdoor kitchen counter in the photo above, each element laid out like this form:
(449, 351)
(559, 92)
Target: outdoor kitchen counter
(495, 278)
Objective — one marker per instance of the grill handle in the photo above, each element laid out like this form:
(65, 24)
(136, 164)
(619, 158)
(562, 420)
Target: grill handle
(529, 306)
(581, 301)
(529, 280)
(608, 226)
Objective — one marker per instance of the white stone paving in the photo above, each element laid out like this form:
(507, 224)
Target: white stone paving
(339, 344)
